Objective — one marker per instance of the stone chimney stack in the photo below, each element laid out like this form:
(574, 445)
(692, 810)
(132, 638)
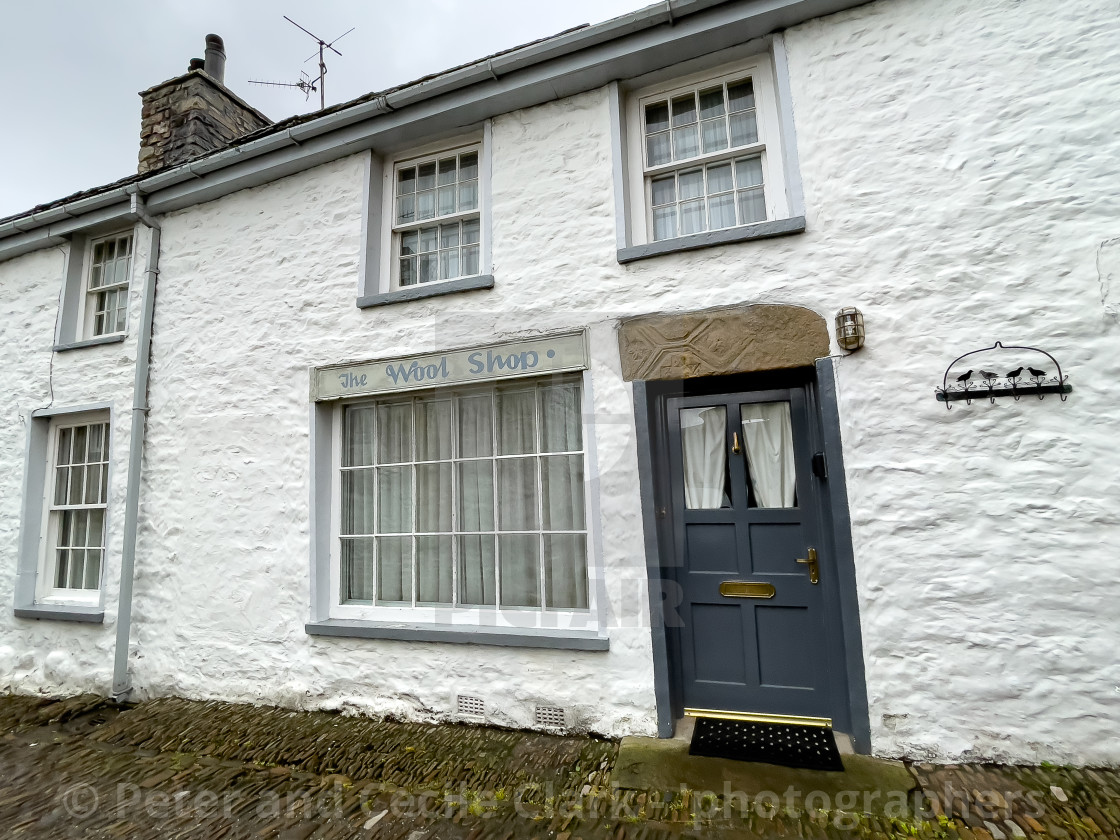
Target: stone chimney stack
(195, 113)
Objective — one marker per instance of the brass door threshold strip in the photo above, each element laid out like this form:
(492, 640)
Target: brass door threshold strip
(752, 717)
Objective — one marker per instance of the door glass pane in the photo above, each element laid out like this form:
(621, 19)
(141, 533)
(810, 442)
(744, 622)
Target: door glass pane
(704, 443)
(768, 440)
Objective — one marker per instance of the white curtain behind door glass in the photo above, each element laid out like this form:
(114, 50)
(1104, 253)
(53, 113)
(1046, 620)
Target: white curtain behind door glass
(703, 438)
(768, 436)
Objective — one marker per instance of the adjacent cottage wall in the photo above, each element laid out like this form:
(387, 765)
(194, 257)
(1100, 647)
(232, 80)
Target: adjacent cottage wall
(959, 176)
(57, 657)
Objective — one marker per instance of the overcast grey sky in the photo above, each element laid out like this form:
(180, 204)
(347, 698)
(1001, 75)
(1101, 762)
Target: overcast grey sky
(71, 69)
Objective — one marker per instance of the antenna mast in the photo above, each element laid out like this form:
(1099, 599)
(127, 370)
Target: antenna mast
(306, 83)
(323, 45)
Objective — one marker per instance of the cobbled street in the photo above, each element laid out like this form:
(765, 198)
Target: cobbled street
(84, 768)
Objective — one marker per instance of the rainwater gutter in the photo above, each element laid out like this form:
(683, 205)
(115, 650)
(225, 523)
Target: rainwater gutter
(122, 682)
(53, 225)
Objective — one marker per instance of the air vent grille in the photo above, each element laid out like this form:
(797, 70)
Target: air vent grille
(552, 716)
(473, 706)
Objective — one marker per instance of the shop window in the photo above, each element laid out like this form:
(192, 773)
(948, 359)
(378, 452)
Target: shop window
(468, 498)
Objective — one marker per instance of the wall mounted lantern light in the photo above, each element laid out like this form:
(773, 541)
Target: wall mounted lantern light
(849, 328)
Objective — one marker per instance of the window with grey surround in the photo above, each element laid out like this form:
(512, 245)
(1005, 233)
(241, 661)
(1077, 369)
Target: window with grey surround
(706, 158)
(76, 504)
(436, 219)
(107, 287)
(703, 159)
(467, 497)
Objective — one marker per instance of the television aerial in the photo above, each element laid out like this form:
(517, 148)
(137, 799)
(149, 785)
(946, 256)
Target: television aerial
(306, 83)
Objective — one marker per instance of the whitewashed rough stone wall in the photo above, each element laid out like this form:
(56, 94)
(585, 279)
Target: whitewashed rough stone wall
(960, 176)
(960, 173)
(56, 657)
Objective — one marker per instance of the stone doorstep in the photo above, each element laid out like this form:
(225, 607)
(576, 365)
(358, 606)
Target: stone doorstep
(867, 785)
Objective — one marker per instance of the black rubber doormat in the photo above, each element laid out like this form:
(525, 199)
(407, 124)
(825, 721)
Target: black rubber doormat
(808, 747)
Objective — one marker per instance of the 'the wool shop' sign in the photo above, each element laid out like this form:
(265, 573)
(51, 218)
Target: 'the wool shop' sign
(531, 357)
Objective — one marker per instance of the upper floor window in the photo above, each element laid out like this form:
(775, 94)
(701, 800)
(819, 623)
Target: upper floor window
(703, 159)
(106, 300)
(95, 288)
(436, 217)
(705, 154)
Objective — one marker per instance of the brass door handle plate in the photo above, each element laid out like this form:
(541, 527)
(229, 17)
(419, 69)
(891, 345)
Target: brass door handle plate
(746, 589)
(735, 447)
(814, 567)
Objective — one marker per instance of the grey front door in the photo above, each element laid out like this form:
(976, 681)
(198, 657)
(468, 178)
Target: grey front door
(759, 626)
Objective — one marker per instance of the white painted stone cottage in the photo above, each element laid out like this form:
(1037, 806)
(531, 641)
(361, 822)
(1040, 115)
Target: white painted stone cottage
(514, 395)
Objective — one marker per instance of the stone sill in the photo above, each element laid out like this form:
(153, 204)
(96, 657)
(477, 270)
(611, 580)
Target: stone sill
(90, 342)
(461, 635)
(762, 230)
(62, 612)
(427, 290)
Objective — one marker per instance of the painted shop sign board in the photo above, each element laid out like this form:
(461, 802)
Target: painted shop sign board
(531, 357)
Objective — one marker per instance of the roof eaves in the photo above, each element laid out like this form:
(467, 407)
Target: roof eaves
(376, 104)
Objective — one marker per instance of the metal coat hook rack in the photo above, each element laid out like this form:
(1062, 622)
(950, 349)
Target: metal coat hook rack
(1023, 380)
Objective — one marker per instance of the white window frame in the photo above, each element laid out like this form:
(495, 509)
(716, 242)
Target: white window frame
(391, 231)
(525, 618)
(46, 592)
(91, 294)
(769, 146)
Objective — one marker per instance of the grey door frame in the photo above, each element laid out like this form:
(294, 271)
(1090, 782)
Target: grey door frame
(651, 427)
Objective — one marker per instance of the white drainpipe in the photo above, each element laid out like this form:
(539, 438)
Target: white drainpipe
(122, 683)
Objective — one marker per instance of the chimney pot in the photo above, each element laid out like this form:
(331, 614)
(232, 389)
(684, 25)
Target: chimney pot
(216, 58)
(197, 64)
